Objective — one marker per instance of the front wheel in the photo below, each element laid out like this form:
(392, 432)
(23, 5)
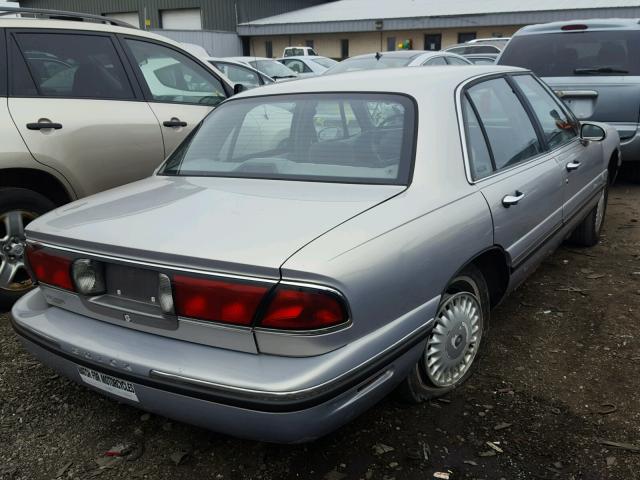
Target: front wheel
(456, 341)
(18, 206)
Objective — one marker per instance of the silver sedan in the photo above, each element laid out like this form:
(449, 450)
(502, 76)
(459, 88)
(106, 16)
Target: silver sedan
(314, 245)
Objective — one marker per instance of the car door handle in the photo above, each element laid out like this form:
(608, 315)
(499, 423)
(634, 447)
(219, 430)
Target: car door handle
(43, 125)
(509, 200)
(573, 166)
(174, 122)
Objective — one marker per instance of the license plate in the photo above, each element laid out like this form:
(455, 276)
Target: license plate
(113, 385)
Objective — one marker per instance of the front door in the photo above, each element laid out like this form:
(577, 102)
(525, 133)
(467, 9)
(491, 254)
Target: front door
(179, 90)
(77, 110)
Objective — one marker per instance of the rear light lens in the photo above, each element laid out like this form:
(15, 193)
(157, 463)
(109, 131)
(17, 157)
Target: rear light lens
(50, 269)
(295, 308)
(88, 276)
(217, 300)
(569, 28)
(165, 293)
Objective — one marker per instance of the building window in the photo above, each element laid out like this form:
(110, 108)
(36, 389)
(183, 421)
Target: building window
(433, 41)
(182, 19)
(464, 37)
(344, 48)
(268, 48)
(391, 44)
(309, 43)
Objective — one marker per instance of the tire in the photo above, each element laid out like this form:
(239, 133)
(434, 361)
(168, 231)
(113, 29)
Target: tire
(587, 233)
(467, 288)
(30, 205)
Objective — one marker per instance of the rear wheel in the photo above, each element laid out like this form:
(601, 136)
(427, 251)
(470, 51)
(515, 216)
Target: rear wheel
(587, 233)
(18, 207)
(456, 340)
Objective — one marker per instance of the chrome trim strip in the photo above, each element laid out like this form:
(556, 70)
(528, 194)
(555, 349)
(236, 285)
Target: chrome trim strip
(153, 265)
(291, 394)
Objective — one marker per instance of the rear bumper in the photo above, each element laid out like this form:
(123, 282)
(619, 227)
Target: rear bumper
(336, 389)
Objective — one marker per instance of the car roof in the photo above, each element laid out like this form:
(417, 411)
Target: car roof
(409, 54)
(593, 24)
(248, 58)
(413, 81)
(300, 57)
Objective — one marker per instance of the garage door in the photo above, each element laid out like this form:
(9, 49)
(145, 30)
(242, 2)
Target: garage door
(132, 18)
(183, 19)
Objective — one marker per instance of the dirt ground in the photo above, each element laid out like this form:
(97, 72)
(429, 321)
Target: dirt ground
(561, 376)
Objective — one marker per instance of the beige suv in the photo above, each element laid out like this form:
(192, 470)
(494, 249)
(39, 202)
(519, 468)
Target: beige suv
(86, 106)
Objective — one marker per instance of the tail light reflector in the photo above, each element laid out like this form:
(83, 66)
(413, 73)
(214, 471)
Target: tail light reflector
(295, 308)
(50, 269)
(88, 276)
(217, 300)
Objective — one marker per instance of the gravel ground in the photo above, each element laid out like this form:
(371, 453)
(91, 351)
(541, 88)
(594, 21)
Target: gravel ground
(560, 378)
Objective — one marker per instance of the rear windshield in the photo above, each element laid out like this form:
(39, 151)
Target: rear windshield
(273, 69)
(576, 53)
(369, 63)
(348, 138)
(325, 62)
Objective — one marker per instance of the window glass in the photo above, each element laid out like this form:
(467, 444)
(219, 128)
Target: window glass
(174, 77)
(370, 62)
(435, 62)
(272, 68)
(456, 61)
(584, 53)
(479, 157)
(238, 74)
(511, 134)
(297, 66)
(71, 66)
(293, 52)
(351, 138)
(324, 62)
(558, 128)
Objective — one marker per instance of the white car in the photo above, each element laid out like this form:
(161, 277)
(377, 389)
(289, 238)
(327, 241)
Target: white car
(268, 66)
(240, 73)
(400, 58)
(306, 66)
(298, 52)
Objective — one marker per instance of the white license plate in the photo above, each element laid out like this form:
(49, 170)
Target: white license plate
(110, 384)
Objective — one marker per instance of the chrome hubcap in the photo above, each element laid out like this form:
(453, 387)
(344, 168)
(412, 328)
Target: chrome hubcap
(600, 212)
(454, 340)
(13, 274)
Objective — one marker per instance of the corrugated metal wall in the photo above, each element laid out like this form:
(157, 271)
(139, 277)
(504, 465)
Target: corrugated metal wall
(216, 14)
(217, 44)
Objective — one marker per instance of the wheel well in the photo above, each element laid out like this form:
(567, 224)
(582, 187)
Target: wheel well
(613, 166)
(495, 269)
(37, 181)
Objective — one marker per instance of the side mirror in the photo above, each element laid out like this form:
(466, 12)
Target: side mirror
(238, 87)
(592, 132)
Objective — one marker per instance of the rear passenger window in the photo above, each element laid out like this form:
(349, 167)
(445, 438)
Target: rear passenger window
(558, 128)
(68, 65)
(511, 134)
(479, 156)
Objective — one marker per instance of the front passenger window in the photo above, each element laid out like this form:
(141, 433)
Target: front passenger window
(174, 77)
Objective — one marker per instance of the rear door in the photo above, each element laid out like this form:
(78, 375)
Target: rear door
(79, 109)
(180, 91)
(582, 161)
(521, 182)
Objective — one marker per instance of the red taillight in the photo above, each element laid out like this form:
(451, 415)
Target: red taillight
(294, 308)
(217, 300)
(50, 269)
(569, 28)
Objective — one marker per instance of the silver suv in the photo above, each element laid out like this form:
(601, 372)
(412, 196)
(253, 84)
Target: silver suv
(88, 105)
(594, 66)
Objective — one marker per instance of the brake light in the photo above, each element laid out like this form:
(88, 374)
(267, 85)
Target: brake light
(50, 269)
(217, 300)
(568, 28)
(296, 308)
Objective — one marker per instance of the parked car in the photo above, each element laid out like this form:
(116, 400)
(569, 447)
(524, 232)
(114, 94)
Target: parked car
(480, 45)
(400, 58)
(273, 283)
(298, 52)
(87, 106)
(269, 67)
(594, 66)
(240, 73)
(482, 58)
(308, 66)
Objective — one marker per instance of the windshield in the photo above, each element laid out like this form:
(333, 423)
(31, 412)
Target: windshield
(272, 68)
(348, 138)
(576, 53)
(369, 63)
(325, 62)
